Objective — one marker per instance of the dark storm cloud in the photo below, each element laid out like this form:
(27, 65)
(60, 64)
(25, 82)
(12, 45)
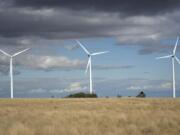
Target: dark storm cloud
(50, 23)
(123, 6)
(139, 23)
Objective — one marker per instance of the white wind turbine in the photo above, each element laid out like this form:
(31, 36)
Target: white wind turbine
(173, 57)
(89, 64)
(11, 66)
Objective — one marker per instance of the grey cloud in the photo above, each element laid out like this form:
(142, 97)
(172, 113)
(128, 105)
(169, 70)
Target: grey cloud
(4, 66)
(47, 23)
(145, 7)
(49, 63)
(110, 67)
(4, 70)
(71, 47)
(44, 62)
(19, 22)
(151, 34)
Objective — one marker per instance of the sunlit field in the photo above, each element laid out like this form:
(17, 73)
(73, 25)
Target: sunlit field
(123, 116)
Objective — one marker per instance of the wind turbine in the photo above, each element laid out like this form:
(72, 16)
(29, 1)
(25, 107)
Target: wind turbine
(89, 64)
(11, 66)
(173, 58)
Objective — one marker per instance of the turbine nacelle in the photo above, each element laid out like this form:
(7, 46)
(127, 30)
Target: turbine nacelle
(89, 54)
(11, 56)
(173, 56)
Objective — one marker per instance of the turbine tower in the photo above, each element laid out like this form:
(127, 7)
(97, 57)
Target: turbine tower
(173, 58)
(11, 66)
(89, 64)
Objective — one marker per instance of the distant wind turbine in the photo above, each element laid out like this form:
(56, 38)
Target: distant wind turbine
(11, 66)
(173, 57)
(89, 64)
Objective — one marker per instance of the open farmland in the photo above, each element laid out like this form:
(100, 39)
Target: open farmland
(126, 116)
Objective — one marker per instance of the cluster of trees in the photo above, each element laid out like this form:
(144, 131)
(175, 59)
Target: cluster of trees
(87, 95)
(82, 95)
(141, 95)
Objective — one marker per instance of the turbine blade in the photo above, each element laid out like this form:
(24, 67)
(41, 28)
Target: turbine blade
(163, 57)
(174, 51)
(87, 67)
(5, 53)
(98, 53)
(177, 59)
(20, 52)
(79, 43)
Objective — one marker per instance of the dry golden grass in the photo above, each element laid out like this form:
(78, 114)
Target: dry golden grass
(90, 116)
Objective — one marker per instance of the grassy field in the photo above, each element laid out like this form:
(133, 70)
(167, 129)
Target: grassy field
(90, 116)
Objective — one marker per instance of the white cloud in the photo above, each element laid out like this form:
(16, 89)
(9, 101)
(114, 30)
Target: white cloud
(45, 62)
(150, 85)
(145, 87)
(48, 63)
(75, 87)
(72, 87)
(166, 85)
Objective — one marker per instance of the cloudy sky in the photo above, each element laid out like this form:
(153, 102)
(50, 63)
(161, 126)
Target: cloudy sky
(134, 31)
